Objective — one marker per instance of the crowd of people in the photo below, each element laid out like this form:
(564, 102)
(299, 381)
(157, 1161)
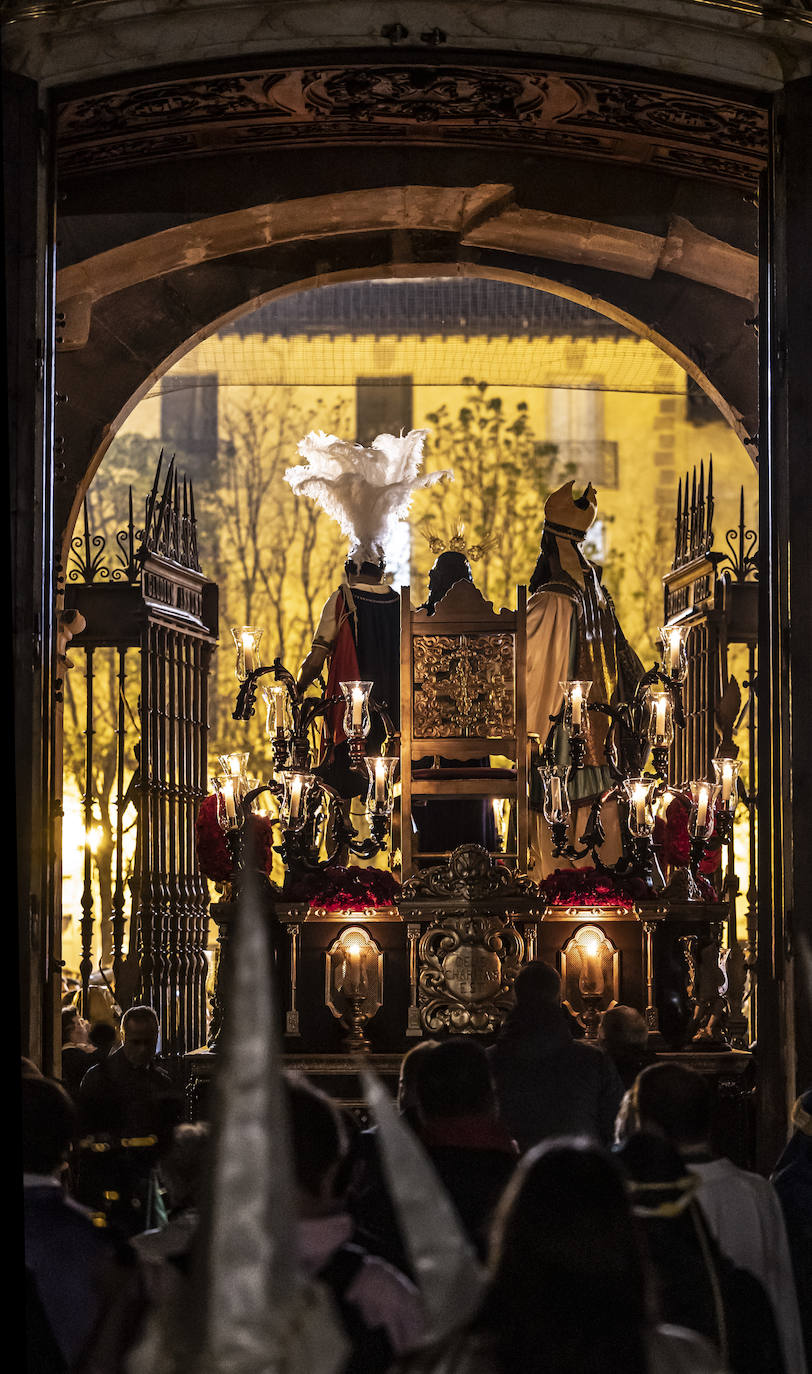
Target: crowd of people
(605, 1234)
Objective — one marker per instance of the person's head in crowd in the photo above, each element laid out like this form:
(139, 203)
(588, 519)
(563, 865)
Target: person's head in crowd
(103, 1037)
(569, 1288)
(74, 1027)
(455, 1081)
(29, 1068)
(622, 1029)
(49, 1122)
(183, 1167)
(537, 993)
(407, 1080)
(139, 1029)
(675, 1102)
(319, 1142)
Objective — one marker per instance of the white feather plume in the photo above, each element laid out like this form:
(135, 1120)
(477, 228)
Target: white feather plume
(365, 490)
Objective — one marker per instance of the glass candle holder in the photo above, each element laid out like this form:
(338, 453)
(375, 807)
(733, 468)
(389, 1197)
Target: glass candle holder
(247, 640)
(236, 766)
(298, 785)
(641, 809)
(727, 779)
(228, 801)
(703, 804)
(661, 719)
(356, 715)
(277, 714)
(381, 771)
(356, 949)
(557, 807)
(576, 715)
(675, 655)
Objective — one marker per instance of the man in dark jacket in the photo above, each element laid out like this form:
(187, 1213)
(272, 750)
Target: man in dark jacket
(470, 1148)
(127, 1109)
(548, 1084)
(75, 1269)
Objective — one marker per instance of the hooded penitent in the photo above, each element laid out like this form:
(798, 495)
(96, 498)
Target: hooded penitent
(249, 1308)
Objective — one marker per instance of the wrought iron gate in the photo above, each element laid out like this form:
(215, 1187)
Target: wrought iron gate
(150, 605)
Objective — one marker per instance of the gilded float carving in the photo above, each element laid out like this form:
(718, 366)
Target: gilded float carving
(467, 968)
(463, 686)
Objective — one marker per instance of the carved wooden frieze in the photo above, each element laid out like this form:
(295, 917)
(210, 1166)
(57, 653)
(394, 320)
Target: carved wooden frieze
(471, 876)
(463, 686)
(682, 131)
(468, 964)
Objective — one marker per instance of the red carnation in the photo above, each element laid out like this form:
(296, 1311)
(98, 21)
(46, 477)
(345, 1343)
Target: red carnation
(212, 850)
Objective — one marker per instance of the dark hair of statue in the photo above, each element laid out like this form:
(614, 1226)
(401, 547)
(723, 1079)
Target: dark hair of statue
(569, 1287)
(448, 569)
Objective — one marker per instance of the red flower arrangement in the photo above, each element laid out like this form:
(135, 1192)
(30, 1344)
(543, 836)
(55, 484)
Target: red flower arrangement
(590, 887)
(345, 889)
(212, 850)
(673, 841)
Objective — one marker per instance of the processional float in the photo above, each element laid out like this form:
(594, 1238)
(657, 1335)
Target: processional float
(367, 964)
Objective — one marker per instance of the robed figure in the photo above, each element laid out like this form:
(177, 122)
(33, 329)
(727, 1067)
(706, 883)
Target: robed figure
(573, 634)
(367, 491)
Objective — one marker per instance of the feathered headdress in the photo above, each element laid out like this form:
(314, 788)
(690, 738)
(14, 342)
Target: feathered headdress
(366, 490)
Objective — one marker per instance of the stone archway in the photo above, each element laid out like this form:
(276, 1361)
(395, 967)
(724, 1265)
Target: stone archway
(129, 313)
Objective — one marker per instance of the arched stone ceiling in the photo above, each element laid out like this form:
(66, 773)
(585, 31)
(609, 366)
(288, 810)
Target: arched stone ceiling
(733, 41)
(137, 308)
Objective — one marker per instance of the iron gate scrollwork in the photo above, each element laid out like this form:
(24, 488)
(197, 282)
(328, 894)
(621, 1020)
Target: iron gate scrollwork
(156, 605)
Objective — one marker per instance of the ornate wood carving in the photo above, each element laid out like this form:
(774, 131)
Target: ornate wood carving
(463, 686)
(468, 964)
(678, 130)
(470, 876)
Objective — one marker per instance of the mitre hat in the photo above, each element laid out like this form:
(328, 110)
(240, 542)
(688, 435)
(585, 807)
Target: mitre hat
(568, 518)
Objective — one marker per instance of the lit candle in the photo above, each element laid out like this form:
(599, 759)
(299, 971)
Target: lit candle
(228, 795)
(352, 951)
(702, 809)
(248, 651)
(592, 982)
(727, 780)
(674, 640)
(577, 705)
(555, 794)
(357, 707)
(295, 796)
(279, 709)
(639, 798)
(659, 724)
(380, 782)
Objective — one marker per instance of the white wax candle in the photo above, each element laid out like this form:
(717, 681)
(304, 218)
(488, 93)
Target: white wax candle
(279, 708)
(673, 651)
(357, 707)
(228, 793)
(555, 791)
(295, 796)
(248, 652)
(640, 806)
(659, 724)
(727, 781)
(380, 782)
(577, 703)
(702, 809)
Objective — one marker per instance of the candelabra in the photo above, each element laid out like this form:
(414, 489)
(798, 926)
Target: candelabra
(311, 813)
(639, 732)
